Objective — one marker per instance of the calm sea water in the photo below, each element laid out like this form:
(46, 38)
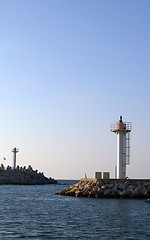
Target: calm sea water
(35, 212)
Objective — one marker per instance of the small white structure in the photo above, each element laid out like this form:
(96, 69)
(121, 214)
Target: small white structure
(98, 175)
(14, 150)
(122, 129)
(106, 175)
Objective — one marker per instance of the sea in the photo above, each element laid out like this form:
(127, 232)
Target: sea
(37, 212)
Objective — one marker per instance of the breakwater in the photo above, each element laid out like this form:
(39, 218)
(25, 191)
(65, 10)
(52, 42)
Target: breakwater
(23, 176)
(108, 188)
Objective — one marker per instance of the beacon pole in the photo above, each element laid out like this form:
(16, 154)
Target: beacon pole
(14, 150)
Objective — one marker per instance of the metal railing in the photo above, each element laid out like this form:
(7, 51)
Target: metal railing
(114, 127)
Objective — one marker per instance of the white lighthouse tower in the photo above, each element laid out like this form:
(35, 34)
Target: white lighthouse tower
(14, 150)
(122, 129)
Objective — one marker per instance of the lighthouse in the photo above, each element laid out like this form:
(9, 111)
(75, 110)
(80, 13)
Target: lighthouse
(122, 129)
(14, 150)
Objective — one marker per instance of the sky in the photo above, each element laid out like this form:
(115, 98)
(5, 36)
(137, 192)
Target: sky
(68, 68)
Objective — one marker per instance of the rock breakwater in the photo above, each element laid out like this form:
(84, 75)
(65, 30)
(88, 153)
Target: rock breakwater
(111, 188)
(23, 176)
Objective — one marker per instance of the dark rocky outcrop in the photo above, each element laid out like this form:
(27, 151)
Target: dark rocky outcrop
(23, 176)
(111, 188)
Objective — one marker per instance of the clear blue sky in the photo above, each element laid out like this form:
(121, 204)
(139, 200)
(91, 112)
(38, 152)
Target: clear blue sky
(67, 69)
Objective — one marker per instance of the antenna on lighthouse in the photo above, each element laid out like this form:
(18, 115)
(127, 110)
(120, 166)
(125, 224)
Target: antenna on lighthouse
(14, 150)
(122, 129)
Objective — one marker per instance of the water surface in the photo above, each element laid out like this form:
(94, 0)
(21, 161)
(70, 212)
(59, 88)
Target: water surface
(35, 212)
